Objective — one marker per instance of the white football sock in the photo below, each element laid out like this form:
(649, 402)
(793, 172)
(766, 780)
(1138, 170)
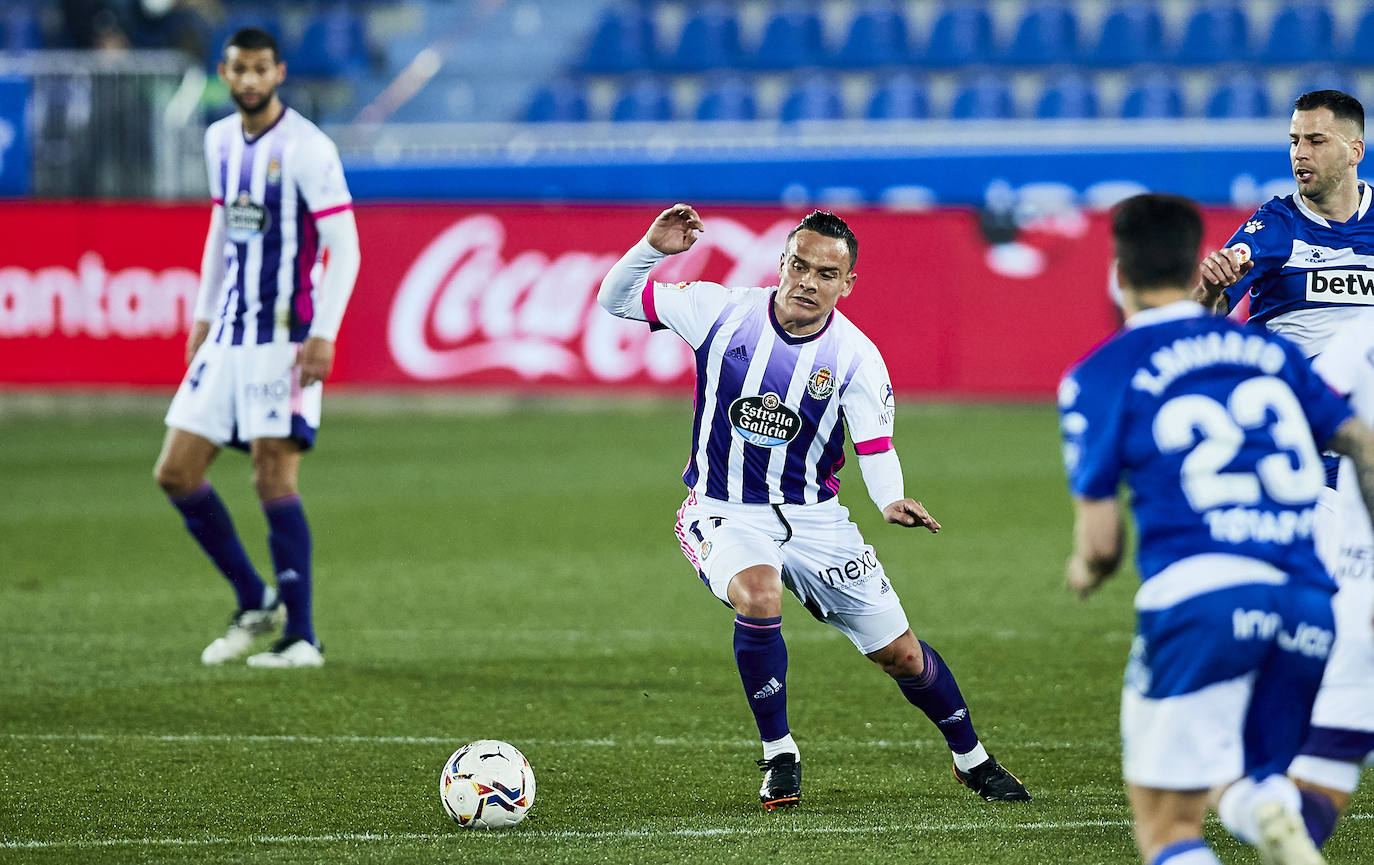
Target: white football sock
(964, 762)
(1236, 808)
(785, 745)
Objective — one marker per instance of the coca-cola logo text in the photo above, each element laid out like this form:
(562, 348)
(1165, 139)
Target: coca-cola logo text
(131, 303)
(467, 305)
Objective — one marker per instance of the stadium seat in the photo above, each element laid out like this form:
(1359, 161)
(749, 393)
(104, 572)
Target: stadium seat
(1320, 77)
(900, 97)
(1238, 95)
(20, 29)
(644, 99)
(333, 43)
(1359, 51)
(814, 97)
(1070, 95)
(710, 40)
(792, 39)
(1301, 33)
(1153, 95)
(877, 37)
(730, 98)
(1216, 33)
(985, 96)
(558, 101)
(1131, 33)
(962, 35)
(622, 42)
(1048, 33)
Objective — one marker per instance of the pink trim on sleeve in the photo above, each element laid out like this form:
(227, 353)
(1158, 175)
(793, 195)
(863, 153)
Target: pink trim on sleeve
(647, 298)
(219, 201)
(873, 446)
(330, 211)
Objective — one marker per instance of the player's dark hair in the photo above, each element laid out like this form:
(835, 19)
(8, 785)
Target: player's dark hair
(252, 39)
(1157, 238)
(827, 224)
(1343, 105)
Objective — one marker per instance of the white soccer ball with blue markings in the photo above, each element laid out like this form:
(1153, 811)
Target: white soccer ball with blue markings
(487, 784)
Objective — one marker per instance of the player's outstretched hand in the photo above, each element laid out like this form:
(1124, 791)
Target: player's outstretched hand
(910, 513)
(316, 360)
(675, 229)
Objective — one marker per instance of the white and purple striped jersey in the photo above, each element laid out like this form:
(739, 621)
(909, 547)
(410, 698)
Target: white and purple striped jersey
(771, 408)
(273, 188)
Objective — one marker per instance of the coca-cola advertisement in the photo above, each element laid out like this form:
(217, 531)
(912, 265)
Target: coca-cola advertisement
(505, 296)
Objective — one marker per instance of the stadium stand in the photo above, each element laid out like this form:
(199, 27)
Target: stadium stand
(877, 37)
(813, 97)
(1048, 33)
(962, 35)
(1131, 33)
(1068, 96)
(901, 96)
(709, 40)
(986, 96)
(727, 98)
(792, 38)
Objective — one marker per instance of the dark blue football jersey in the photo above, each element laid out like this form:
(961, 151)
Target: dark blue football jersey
(1216, 428)
(1309, 272)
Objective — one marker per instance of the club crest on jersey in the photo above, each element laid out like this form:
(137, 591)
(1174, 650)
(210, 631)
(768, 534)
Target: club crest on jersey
(245, 219)
(764, 420)
(274, 171)
(821, 384)
(1252, 226)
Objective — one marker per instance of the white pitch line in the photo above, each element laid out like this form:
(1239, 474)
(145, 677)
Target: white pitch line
(657, 741)
(524, 835)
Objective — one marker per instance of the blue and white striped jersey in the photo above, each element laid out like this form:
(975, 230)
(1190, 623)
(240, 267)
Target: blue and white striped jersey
(1309, 272)
(771, 408)
(1215, 426)
(273, 188)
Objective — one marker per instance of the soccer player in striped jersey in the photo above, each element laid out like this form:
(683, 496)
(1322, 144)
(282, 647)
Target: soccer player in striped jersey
(262, 344)
(780, 374)
(1307, 261)
(1216, 429)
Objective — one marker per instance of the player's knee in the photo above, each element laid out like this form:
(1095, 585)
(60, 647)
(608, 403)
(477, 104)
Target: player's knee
(174, 479)
(757, 592)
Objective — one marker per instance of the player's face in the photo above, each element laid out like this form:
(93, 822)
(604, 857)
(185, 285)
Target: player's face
(252, 75)
(815, 275)
(1324, 152)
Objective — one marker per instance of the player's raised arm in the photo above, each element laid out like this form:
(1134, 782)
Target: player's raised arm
(673, 231)
(1220, 270)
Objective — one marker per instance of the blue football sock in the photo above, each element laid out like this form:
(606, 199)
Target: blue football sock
(1193, 851)
(208, 520)
(288, 536)
(1319, 814)
(937, 694)
(761, 656)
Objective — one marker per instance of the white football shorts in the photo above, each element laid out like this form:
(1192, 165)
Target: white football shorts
(232, 394)
(819, 552)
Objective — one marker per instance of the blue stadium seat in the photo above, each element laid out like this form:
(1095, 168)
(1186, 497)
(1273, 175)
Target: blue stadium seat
(1153, 95)
(1241, 94)
(1217, 32)
(333, 43)
(1320, 77)
(792, 38)
(985, 96)
(20, 29)
(729, 98)
(1132, 32)
(814, 97)
(900, 97)
(1300, 34)
(710, 40)
(1359, 51)
(1070, 95)
(644, 99)
(962, 35)
(1048, 33)
(558, 101)
(623, 41)
(877, 37)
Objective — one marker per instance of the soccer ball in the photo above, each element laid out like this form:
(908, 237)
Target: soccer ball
(487, 784)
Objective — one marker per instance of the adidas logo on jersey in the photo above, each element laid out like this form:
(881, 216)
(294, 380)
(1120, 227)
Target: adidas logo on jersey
(738, 353)
(768, 690)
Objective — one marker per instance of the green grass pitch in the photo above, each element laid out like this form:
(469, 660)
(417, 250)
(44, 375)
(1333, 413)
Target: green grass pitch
(512, 573)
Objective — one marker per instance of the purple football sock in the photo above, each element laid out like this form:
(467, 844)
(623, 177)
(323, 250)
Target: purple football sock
(761, 656)
(288, 536)
(1319, 814)
(208, 520)
(937, 694)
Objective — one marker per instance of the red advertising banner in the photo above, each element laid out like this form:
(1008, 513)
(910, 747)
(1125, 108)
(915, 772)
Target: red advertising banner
(505, 296)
